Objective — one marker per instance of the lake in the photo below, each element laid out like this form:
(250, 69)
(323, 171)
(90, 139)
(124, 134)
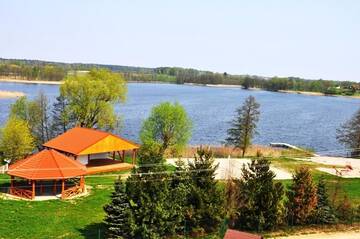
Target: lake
(306, 121)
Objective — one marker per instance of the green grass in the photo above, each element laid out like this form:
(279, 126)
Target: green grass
(82, 217)
(78, 218)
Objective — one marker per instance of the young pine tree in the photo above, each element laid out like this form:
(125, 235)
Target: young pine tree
(260, 206)
(118, 220)
(205, 199)
(302, 198)
(243, 127)
(324, 211)
(155, 204)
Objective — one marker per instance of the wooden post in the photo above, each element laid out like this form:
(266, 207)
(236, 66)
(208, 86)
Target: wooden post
(123, 156)
(62, 188)
(33, 190)
(82, 183)
(113, 155)
(119, 155)
(11, 184)
(41, 189)
(134, 156)
(54, 188)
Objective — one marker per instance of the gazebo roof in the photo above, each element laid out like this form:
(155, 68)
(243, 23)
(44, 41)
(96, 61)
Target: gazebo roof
(47, 164)
(82, 141)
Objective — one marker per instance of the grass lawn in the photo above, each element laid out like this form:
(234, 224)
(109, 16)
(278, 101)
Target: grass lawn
(82, 217)
(78, 218)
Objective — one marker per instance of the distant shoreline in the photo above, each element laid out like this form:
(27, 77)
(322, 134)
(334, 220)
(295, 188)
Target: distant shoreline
(31, 81)
(4, 94)
(310, 93)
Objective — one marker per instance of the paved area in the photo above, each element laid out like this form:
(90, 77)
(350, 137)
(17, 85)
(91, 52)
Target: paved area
(231, 167)
(333, 235)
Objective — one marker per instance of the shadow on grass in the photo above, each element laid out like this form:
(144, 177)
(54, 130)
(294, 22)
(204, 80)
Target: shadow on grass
(93, 231)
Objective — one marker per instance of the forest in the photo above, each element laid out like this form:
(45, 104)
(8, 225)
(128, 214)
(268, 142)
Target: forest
(56, 71)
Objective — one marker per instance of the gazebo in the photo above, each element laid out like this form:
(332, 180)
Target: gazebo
(46, 173)
(95, 148)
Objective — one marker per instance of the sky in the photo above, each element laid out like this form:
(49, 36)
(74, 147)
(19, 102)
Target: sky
(311, 39)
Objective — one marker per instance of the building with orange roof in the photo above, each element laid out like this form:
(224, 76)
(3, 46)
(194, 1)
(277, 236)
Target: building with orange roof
(44, 170)
(93, 148)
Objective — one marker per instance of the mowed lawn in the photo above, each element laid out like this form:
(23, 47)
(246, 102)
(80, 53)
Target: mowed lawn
(77, 218)
(82, 217)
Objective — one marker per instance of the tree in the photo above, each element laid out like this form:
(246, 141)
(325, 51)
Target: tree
(16, 140)
(324, 211)
(349, 134)
(168, 127)
(91, 98)
(302, 198)
(62, 120)
(205, 201)
(155, 205)
(243, 127)
(259, 197)
(118, 220)
(36, 114)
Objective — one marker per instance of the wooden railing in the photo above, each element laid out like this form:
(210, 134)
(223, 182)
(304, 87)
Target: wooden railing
(21, 193)
(70, 192)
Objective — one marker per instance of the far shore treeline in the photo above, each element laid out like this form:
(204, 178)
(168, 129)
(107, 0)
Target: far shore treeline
(55, 71)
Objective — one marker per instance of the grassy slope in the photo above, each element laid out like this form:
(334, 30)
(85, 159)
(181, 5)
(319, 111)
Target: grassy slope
(82, 218)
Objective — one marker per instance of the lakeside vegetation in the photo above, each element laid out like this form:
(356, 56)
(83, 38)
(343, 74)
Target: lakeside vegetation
(56, 71)
(155, 202)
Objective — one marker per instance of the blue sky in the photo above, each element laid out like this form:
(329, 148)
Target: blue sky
(312, 39)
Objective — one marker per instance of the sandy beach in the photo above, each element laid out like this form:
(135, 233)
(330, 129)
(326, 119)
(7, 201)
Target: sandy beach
(31, 81)
(10, 94)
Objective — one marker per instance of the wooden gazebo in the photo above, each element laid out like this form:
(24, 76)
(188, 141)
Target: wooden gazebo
(95, 148)
(46, 171)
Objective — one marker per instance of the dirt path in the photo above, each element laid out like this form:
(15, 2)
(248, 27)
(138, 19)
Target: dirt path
(232, 168)
(348, 167)
(332, 235)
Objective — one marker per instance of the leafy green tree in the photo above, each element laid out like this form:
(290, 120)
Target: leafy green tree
(36, 114)
(16, 140)
(168, 127)
(205, 201)
(349, 134)
(243, 127)
(118, 220)
(302, 197)
(259, 197)
(324, 211)
(91, 98)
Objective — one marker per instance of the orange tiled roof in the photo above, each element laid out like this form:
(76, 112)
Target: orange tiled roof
(233, 234)
(81, 141)
(47, 164)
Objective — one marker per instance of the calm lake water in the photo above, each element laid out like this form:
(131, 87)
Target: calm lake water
(306, 121)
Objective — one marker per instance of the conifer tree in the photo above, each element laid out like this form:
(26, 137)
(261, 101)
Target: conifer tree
(243, 127)
(155, 204)
(205, 200)
(324, 211)
(118, 220)
(302, 198)
(259, 197)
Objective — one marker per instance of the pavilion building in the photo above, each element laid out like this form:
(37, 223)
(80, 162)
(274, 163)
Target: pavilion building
(44, 174)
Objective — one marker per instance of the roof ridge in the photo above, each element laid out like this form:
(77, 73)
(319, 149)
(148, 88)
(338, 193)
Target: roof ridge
(51, 152)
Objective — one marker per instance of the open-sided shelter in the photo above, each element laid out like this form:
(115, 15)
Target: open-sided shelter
(42, 172)
(92, 147)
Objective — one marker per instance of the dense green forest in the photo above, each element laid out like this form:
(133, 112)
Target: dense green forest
(55, 71)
